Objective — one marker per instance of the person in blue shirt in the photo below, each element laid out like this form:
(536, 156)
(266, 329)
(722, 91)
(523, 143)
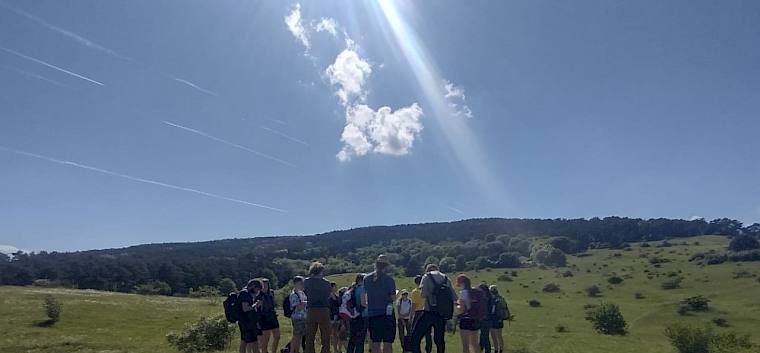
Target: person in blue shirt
(380, 292)
(358, 325)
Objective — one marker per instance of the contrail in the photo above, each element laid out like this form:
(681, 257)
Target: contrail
(199, 88)
(51, 66)
(33, 75)
(455, 209)
(198, 132)
(141, 180)
(291, 138)
(278, 121)
(79, 39)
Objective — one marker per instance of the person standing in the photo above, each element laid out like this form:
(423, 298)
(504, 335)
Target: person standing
(335, 301)
(439, 297)
(418, 305)
(404, 310)
(485, 324)
(380, 291)
(317, 290)
(249, 315)
(358, 325)
(469, 323)
(269, 324)
(298, 302)
(500, 313)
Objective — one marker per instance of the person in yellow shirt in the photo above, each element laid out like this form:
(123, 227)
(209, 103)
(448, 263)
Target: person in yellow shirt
(418, 306)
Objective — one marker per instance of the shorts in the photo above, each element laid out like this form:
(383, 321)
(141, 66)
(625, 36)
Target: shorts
(382, 329)
(469, 324)
(299, 327)
(498, 324)
(268, 322)
(247, 334)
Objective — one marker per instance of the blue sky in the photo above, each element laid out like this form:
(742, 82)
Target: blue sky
(153, 121)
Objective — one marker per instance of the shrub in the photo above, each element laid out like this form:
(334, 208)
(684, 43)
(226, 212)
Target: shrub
(154, 288)
(593, 291)
(227, 285)
(46, 283)
(687, 339)
(639, 295)
(742, 243)
(551, 288)
(607, 319)
(748, 255)
(534, 303)
(549, 256)
(614, 280)
(204, 292)
(207, 335)
(720, 322)
(698, 303)
(504, 278)
(560, 328)
(683, 309)
(673, 283)
(52, 308)
(567, 273)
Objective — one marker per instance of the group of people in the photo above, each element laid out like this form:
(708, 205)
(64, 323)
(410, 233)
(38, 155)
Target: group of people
(372, 306)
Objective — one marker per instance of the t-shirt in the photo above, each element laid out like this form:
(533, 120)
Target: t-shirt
(464, 299)
(335, 302)
(296, 298)
(318, 290)
(418, 302)
(267, 302)
(359, 293)
(245, 297)
(430, 281)
(380, 289)
(405, 308)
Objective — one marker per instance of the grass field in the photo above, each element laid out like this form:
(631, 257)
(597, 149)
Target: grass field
(94, 321)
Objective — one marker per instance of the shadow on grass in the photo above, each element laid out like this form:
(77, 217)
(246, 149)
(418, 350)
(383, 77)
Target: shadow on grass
(45, 323)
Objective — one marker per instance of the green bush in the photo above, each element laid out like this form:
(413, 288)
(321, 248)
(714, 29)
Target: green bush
(227, 286)
(697, 303)
(673, 283)
(608, 319)
(207, 335)
(153, 288)
(534, 303)
(52, 308)
(689, 339)
(593, 291)
(614, 280)
(551, 288)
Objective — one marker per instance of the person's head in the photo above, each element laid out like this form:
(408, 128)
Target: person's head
(342, 291)
(484, 287)
(265, 284)
(404, 294)
(431, 267)
(418, 280)
(463, 281)
(359, 278)
(254, 285)
(316, 269)
(333, 287)
(494, 290)
(382, 263)
(298, 282)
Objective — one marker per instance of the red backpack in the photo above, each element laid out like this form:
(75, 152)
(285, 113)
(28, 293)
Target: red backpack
(478, 304)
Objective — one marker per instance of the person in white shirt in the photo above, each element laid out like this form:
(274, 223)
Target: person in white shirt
(298, 302)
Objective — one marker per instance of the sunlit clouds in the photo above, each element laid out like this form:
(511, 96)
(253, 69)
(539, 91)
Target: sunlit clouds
(349, 72)
(295, 25)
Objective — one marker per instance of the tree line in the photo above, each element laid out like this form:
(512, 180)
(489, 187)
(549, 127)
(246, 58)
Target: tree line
(176, 268)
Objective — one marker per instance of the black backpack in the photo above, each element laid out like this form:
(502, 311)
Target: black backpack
(231, 309)
(287, 310)
(444, 301)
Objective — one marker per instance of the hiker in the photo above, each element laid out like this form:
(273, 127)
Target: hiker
(439, 296)
(499, 314)
(487, 322)
(358, 323)
(418, 305)
(248, 317)
(298, 302)
(380, 291)
(404, 310)
(342, 326)
(470, 300)
(269, 325)
(335, 302)
(317, 290)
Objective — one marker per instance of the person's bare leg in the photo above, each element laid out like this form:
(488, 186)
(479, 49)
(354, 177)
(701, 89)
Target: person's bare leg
(387, 347)
(374, 347)
(241, 348)
(475, 341)
(275, 340)
(295, 344)
(465, 341)
(264, 340)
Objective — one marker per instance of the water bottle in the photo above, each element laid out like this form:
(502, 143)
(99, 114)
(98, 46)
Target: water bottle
(389, 309)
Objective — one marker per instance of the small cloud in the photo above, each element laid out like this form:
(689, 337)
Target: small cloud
(328, 25)
(383, 131)
(456, 99)
(696, 218)
(350, 72)
(8, 249)
(295, 25)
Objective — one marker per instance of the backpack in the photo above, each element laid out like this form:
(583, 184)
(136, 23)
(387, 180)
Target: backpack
(231, 308)
(287, 310)
(478, 304)
(444, 300)
(405, 310)
(501, 310)
(347, 310)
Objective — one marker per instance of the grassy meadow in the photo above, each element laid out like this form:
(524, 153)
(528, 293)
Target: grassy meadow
(94, 321)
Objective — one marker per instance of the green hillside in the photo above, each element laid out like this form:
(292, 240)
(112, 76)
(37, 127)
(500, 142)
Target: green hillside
(95, 321)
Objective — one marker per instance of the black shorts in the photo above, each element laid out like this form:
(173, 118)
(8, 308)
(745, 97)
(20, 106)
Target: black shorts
(247, 334)
(382, 328)
(498, 324)
(469, 324)
(268, 322)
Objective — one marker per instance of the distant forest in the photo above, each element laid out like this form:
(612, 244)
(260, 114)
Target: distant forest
(176, 268)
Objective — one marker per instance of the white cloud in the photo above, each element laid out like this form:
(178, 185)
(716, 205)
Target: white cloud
(696, 218)
(350, 72)
(383, 131)
(295, 25)
(8, 249)
(457, 99)
(327, 24)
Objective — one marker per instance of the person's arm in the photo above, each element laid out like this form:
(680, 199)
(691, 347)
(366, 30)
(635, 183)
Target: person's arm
(247, 307)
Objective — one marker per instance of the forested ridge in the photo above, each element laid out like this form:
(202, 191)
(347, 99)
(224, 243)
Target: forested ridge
(176, 268)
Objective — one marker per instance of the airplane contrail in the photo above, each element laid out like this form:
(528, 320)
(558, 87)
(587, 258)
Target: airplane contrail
(278, 121)
(79, 39)
(198, 132)
(291, 138)
(137, 179)
(51, 66)
(199, 88)
(33, 75)
(455, 209)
